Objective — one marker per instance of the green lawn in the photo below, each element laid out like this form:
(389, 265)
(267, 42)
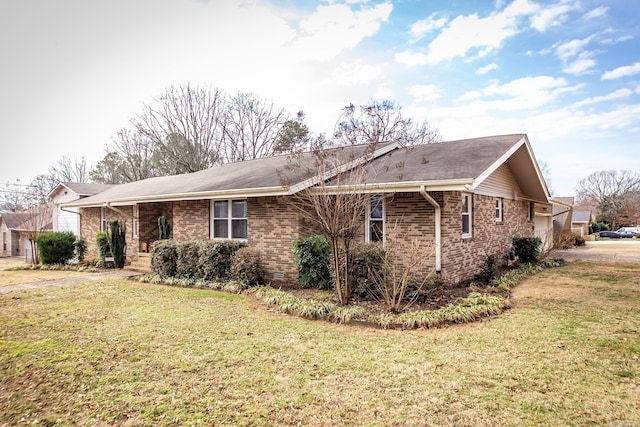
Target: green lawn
(122, 353)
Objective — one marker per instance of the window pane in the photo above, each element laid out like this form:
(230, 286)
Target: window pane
(376, 233)
(221, 209)
(239, 209)
(376, 207)
(465, 204)
(239, 229)
(465, 224)
(220, 228)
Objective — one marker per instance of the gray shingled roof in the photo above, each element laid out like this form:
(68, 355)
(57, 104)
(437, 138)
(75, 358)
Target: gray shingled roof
(454, 160)
(581, 216)
(87, 188)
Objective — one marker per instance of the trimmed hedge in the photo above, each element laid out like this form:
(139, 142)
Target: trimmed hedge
(197, 259)
(366, 266)
(56, 247)
(527, 249)
(246, 267)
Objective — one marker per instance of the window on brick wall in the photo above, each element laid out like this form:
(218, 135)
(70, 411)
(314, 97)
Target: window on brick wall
(229, 219)
(498, 210)
(375, 219)
(530, 210)
(466, 215)
(134, 221)
(103, 219)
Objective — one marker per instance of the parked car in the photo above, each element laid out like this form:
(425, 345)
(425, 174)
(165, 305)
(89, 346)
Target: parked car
(610, 234)
(627, 233)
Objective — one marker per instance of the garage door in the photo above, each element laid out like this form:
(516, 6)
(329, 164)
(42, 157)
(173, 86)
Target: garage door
(544, 230)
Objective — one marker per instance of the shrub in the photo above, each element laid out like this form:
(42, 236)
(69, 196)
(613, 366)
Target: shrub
(188, 259)
(311, 255)
(527, 248)
(367, 264)
(80, 246)
(246, 267)
(116, 237)
(102, 243)
(56, 247)
(164, 228)
(216, 257)
(164, 258)
(488, 270)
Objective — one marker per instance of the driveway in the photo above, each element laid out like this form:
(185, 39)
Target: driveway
(623, 250)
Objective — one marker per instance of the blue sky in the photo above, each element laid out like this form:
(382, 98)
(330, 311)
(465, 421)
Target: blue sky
(565, 72)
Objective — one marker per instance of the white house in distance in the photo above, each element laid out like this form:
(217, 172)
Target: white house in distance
(68, 219)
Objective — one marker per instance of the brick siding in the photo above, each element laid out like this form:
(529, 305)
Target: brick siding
(90, 227)
(190, 220)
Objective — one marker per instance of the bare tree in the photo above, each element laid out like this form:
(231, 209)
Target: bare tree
(405, 262)
(184, 126)
(381, 122)
(69, 170)
(136, 152)
(36, 219)
(608, 189)
(334, 201)
(251, 128)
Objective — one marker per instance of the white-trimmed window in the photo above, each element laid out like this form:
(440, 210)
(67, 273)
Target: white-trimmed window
(134, 221)
(103, 219)
(229, 219)
(375, 219)
(530, 211)
(466, 215)
(498, 210)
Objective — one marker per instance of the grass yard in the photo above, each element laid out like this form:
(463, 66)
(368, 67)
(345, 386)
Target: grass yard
(16, 277)
(115, 352)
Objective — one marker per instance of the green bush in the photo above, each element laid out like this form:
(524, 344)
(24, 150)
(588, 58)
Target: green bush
(102, 243)
(246, 267)
(164, 258)
(188, 261)
(80, 247)
(527, 249)
(116, 237)
(595, 227)
(56, 247)
(216, 257)
(488, 270)
(366, 267)
(311, 255)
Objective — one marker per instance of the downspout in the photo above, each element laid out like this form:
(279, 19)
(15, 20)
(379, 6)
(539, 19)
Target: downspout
(438, 213)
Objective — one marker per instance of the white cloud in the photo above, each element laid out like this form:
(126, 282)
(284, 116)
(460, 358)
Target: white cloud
(618, 94)
(484, 70)
(356, 73)
(575, 59)
(482, 36)
(553, 16)
(425, 92)
(596, 13)
(627, 70)
(334, 28)
(411, 58)
(424, 26)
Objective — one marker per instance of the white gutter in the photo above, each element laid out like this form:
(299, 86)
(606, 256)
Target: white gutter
(438, 213)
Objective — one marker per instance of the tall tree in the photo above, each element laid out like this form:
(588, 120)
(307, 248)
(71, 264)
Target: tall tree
(183, 117)
(381, 121)
(110, 170)
(608, 190)
(293, 136)
(251, 128)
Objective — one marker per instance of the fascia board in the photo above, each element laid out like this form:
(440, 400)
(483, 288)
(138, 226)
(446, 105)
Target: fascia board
(310, 182)
(403, 187)
(209, 195)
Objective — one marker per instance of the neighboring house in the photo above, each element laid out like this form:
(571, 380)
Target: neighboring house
(469, 197)
(562, 212)
(580, 221)
(68, 219)
(17, 228)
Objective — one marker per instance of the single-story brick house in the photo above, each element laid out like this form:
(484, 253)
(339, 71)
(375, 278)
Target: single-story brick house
(68, 219)
(469, 196)
(17, 228)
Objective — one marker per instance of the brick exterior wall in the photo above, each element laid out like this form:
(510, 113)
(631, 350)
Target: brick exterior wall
(90, 227)
(148, 214)
(190, 220)
(272, 226)
(462, 258)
